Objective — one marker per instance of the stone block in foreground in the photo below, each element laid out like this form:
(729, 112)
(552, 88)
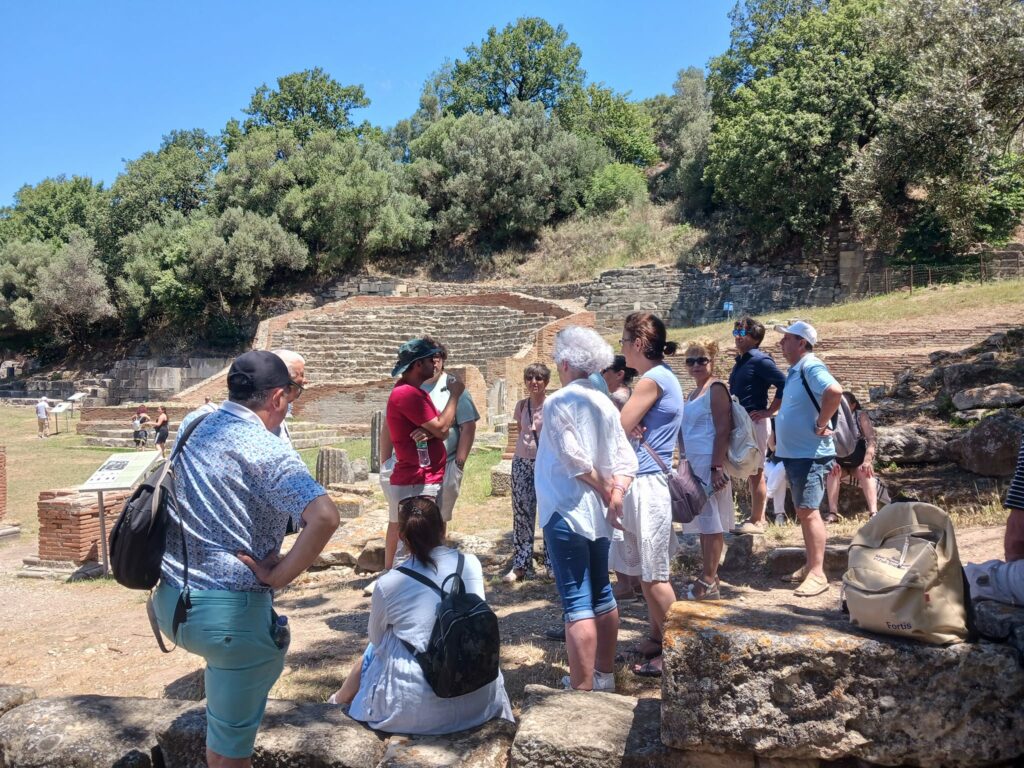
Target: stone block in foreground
(86, 731)
(12, 696)
(483, 747)
(806, 685)
(292, 734)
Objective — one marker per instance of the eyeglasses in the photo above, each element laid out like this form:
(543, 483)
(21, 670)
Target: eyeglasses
(298, 387)
(739, 332)
(624, 341)
(692, 361)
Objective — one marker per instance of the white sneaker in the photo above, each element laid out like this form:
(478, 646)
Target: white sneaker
(603, 681)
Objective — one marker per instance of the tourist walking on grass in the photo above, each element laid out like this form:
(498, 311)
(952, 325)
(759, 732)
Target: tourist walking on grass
(43, 418)
(236, 484)
(707, 422)
(386, 688)
(652, 417)
(584, 468)
(529, 415)
(754, 374)
(859, 464)
(162, 427)
(803, 441)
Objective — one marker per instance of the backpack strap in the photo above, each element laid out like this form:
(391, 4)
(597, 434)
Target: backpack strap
(421, 579)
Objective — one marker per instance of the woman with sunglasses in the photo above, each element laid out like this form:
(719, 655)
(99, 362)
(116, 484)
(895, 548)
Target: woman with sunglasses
(652, 414)
(529, 415)
(707, 421)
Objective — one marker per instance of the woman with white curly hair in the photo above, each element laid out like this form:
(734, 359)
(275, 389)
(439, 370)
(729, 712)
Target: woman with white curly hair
(584, 467)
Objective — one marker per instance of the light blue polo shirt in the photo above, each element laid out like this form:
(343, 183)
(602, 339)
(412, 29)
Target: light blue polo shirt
(794, 425)
(465, 411)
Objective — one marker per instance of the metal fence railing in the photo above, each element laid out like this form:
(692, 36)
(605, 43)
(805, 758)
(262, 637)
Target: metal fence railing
(983, 269)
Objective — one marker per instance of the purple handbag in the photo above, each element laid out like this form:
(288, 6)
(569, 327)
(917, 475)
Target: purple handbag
(684, 487)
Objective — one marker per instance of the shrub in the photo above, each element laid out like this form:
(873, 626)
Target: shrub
(614, 186)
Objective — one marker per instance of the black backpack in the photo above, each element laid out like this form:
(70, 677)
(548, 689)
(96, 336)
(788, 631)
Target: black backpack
(464, 648)
(139, 536)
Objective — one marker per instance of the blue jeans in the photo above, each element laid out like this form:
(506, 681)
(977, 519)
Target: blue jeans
(807, 480)
(581, 571)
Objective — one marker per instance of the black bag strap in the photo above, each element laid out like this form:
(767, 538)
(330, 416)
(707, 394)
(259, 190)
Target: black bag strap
(835, 416)
(529, 414)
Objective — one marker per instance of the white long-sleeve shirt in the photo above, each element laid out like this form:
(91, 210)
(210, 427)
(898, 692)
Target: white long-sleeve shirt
(581, 432)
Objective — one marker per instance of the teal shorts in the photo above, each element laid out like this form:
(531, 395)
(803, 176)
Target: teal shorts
(231, 630)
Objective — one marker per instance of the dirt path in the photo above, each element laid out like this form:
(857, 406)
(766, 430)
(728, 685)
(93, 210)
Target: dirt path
(93, 637)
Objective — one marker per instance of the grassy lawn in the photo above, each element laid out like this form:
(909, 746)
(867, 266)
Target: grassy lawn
(357, 448)
(35, 465)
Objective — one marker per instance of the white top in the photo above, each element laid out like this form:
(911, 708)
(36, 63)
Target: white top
(42, 409)
(698, 426)
(394, 696)
(581, 432)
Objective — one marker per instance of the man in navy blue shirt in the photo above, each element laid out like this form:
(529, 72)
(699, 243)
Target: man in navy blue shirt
(753, 375)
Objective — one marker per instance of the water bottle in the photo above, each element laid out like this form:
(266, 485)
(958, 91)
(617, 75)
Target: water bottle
(422, 453)
(281, 632)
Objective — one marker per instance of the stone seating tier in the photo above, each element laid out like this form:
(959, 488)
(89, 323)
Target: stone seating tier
(113, 434)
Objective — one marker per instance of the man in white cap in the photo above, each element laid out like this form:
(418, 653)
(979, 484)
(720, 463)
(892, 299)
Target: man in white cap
(803, 437)
(43, 417)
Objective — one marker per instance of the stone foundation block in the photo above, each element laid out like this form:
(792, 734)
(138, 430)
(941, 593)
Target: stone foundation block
(998, 621)
(12, 696)
(86, 731)
(292, 734)
(783, 560)
(789, 683)
(741, 549)
(501, 479)
(348, 542)
(483, 747)
(371, 559)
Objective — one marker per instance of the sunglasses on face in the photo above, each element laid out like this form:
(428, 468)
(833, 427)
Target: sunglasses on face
(534, 378)
(739, 332)
(692, 361)
(298, 387)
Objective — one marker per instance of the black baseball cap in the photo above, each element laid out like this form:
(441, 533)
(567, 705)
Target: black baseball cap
(256, 371)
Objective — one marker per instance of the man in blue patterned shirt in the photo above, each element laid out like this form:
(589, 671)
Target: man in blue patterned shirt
(237, 485)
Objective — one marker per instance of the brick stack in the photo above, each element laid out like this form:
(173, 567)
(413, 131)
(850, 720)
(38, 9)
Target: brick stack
(3, 481)
(69, 523)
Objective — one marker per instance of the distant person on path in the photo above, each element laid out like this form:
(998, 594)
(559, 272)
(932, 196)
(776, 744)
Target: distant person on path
(460, 438)
(584, 467)
(652, 417)
(804, 443)
(142, 414)
(296, 386)
(859, 464)
(137, 432)
(753, 375)
(236, 484)
(529, 415)
(412, 418)
(162, 429)
(707, 422)
(386, 688)
(1003, 580)
(43, 418)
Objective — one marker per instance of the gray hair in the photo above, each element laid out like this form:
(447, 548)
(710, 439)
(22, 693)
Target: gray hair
(253, 402)
(582, 349)
(291, 359)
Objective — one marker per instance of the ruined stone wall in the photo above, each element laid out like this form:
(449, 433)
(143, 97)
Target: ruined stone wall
(142, 379)
(69, 523)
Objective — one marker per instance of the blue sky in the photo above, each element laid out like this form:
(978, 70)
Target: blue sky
(88, 85)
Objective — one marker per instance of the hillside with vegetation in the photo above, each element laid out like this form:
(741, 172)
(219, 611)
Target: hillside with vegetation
(903, 117)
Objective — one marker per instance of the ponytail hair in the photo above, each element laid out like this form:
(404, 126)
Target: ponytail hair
(651, 331)
(421, 527)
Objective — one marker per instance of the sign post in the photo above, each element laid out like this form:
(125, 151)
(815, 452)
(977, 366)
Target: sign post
(57, 410)
(76, 398)
(119, 472)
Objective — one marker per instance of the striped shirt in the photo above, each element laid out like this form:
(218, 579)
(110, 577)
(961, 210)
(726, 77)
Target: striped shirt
(1015, 496)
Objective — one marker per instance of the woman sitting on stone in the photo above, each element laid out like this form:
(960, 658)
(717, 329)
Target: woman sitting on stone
(584, 467)
(859, 464)
(386, 688)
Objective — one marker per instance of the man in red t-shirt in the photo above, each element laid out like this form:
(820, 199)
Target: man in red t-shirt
(412, 417)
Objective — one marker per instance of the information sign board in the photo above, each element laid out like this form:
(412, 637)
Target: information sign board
(121, 471)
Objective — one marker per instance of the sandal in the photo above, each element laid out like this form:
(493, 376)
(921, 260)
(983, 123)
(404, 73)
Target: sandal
(796, 576)
(831, 517)
(710, 591)
(811, 586)
(648, 652)
(647, 669)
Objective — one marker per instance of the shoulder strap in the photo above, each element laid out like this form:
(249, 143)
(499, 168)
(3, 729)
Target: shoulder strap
(420, 578)
(655, 456)
(536, 437)
(809, 393)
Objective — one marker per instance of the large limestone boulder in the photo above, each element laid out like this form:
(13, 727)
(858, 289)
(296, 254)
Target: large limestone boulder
(291, 734)
(86, 731)
(348, 542)
(483, 747)
(501, 478)
(991, 447)
(998, 621)
(993, 396)
(791, 683)
(12, 696)
(913, 443)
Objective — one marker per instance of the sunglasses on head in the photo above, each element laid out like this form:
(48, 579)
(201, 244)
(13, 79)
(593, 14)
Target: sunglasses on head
(692, 361)
(739, 332)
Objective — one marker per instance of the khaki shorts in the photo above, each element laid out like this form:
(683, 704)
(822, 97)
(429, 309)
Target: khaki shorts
(762, 430)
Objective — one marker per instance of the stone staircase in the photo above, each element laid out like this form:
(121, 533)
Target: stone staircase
(360, 344)
(114, 434)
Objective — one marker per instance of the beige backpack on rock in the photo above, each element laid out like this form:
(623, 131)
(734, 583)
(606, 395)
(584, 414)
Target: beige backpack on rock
(904, 575)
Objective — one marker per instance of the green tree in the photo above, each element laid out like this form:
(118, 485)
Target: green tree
(945, 168)
(614, 186)
(527, 61)
(625, 128)
(305, 102)
(53, 209)
(795, 97)
(20, 263)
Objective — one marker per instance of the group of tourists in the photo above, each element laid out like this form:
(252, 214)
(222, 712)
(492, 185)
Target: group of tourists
(591, 465)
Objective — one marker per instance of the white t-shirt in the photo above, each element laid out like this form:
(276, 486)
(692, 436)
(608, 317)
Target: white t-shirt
(42, 409)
